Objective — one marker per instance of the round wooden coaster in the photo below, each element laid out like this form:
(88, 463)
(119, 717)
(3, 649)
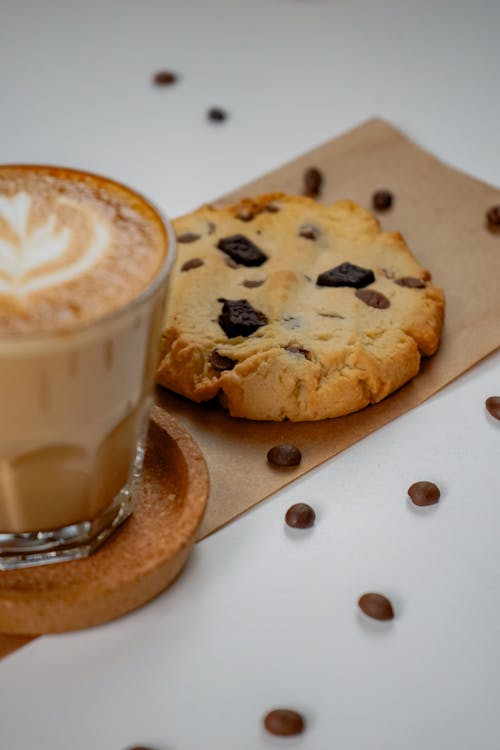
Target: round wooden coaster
(141, 559)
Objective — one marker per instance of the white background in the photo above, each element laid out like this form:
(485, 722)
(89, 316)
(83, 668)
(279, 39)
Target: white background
(264, 616)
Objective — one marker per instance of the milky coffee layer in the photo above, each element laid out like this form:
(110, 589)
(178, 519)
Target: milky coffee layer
(73, 247)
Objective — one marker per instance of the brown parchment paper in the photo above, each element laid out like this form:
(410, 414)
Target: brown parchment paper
(440, 211)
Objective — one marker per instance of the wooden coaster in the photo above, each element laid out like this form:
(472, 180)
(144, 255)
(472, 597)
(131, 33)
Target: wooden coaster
(141, 559)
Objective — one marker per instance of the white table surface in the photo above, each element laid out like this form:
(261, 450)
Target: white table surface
(263, 617)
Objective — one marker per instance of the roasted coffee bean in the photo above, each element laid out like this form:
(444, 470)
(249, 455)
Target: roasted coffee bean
(347, 274)
(382, 200)
(493, 217)
(424, 493)
(215, 114)
(193, 263)
(239, 318)
(284, 455)
(242, 250)
(220, 362)
(299, 350)
(313, 182)
(493, 405)
(309, 232)
(376, 606)
(284, 722)
(300, 516)
(373, 298)
(188, 237)
(271, 208)
(164, 78)
(245, 214)
(411, 282)
(252, 283)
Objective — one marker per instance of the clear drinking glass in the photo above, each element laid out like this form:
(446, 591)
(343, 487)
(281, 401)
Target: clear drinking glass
(74, 408)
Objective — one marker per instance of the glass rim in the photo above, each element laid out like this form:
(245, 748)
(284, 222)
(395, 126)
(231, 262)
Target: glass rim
(148, 291)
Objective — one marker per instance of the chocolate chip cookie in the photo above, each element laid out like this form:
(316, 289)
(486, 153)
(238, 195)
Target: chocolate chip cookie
(288, 309)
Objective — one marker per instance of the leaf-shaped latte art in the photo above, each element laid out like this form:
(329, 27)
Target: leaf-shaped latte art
(45, 255)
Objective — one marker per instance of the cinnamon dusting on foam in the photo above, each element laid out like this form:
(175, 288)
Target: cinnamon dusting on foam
(73, 247)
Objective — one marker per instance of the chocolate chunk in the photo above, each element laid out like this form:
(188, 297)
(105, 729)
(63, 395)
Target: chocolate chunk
(164, 78)
(382, 200)
(309, 232)
(188, 237)
(193, 263)
(347, 274)
(493, 217)
(245, 214)
(299, 350)
(239, 318)
(411, 282)
(242, 250)
(376, 606)
(220, 362)
(271, 208)
(216, 114)
(373, 298)
(284, 722)
(284, 455)
(252, 283)
(493, 406)
(313, 182)
(424, 493)
(300, 516)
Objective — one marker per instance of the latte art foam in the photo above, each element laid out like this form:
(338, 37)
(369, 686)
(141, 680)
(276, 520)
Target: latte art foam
(71, 249)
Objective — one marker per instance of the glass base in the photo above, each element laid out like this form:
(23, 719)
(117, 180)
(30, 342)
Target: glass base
(72, 542)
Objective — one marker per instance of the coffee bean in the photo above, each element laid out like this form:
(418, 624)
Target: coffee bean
(300, 516)
(215, 114)
(299, 350)
(373, 298)
(188, 237)
(220, 362)
(382, 200)
(309, 232)
(424, 493)
(411, 282)
(493, 405)
(376, 606)
(284, 722)
(242, 250)
(284, 455)
(493, 217)
(164, 78)
(252, 283)
(313, 182)
(193, 263)
(347, 274)
(239, 318)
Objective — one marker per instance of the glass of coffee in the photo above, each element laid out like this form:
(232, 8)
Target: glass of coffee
(84, 263)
